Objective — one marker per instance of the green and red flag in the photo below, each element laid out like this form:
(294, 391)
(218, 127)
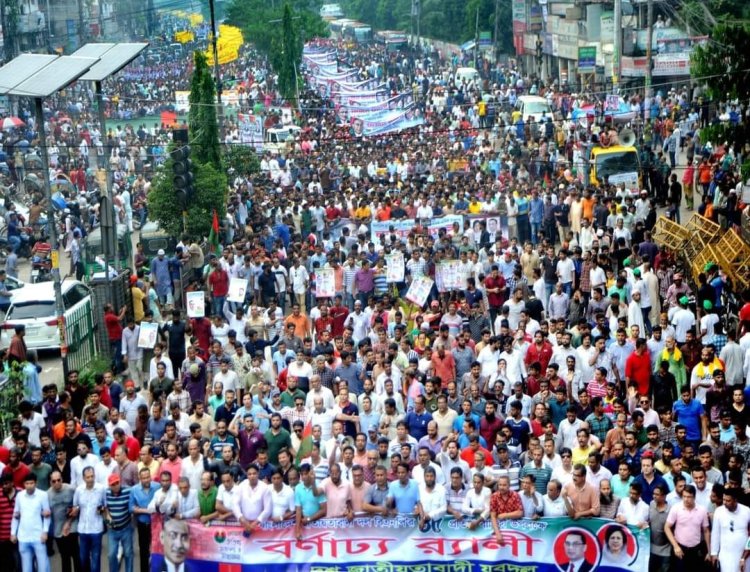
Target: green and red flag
(305, 446)
(213, 236)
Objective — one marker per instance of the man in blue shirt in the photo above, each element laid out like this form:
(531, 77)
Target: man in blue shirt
(403, 493)
(689, 413)
(4, 293)
(309, 500)
(140, 497)
(418, 419)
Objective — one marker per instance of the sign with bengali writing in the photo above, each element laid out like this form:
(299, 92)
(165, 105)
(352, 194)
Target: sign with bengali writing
(325, 283)
(449, 276)
(400, 545)
(419, 290)
(395, 268)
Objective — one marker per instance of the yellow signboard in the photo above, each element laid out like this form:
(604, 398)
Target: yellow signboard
(184, 37)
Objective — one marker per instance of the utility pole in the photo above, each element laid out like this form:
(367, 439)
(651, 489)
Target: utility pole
(650, 36)
(476, 39)
(217, 76)
(617, 55)
(419, 21)
(496, 37)
(81, 25)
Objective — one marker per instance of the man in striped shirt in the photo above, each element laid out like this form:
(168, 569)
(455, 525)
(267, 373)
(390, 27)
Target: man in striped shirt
(119, 521)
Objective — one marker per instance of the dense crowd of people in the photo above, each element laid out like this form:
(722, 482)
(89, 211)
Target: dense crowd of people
(575, 372)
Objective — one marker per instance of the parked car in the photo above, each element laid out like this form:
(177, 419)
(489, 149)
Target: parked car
(34, 307)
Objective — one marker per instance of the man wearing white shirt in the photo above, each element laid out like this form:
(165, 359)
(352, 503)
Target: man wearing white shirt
(318, 390)
(554, 505)
(477, 502)
(729, 534)
(30, 525)
(323, 418)
(116, 421)
(433, 503)
(515, 368)
(419, 470)
(632, 510)
(192, 465)
(187, 501)
(227, 497)
(80, 462)
(595, 471)
(282, 498)
(253, 506)
(104, 468)
(165, 499)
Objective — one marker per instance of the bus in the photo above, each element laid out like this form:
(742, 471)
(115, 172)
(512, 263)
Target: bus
(358, 33)
(393, 41)
(337, 27)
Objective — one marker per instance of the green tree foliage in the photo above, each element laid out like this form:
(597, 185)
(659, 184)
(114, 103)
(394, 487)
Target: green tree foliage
(699, 16)
(447, 20)
(279, 31)
(242, 159)
(202, 121)
(286, 56)
(722, 64)
(210, 194)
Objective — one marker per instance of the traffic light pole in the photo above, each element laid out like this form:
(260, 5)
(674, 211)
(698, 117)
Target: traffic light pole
(56, 279)
(109, 203)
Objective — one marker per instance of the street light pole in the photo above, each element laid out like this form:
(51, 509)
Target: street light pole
(617, 55)
(650, 36)
(217, 76)
(57, 281)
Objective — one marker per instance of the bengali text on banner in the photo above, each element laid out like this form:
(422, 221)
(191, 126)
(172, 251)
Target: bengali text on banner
(399, 544)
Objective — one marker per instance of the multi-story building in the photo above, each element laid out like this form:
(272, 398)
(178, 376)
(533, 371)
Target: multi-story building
(574, 42)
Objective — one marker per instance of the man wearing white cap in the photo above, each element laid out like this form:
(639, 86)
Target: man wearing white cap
(161, 278)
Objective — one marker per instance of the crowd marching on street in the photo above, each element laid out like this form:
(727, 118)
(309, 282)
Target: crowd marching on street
(577, 371)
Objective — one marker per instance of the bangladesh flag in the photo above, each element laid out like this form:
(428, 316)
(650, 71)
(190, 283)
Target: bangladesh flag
(305, 446)
(213, 237)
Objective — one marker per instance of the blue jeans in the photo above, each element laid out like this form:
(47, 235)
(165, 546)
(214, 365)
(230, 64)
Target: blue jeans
(217, 305)
(14, 242)
(90, 549)
(535, 228)
(31, 550)
(117, 537)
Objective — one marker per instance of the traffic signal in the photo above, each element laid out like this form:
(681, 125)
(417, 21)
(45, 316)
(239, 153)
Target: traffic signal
(539, 51)
(182, 170)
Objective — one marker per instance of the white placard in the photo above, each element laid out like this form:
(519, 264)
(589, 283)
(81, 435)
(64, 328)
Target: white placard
(147, 335)
(196, 304)
(237, 289)
(394, 264)
(325, 283)
(419, 290)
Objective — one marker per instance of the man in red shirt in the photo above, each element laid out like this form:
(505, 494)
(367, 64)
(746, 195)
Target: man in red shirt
(444, 365)
(201, 329)
(324, 323)
(539, 351)
(218, 287)
(113, 323)
(505, 504)
(744, 317)
(130, 443)
(494, 284)
(638, 367)
(16, 468)
(338, 313)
